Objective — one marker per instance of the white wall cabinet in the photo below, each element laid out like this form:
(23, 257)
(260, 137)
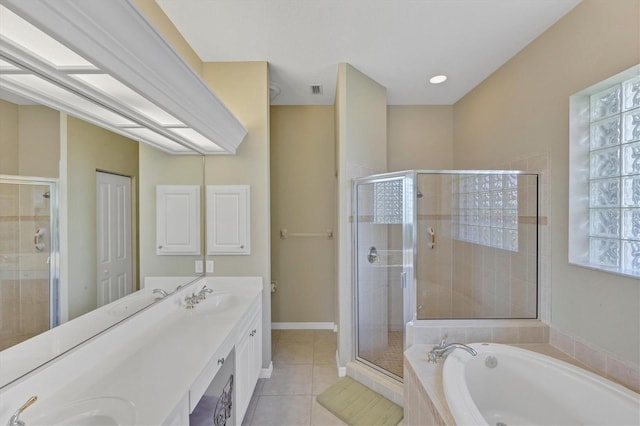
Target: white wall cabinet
(248, 358)
(178, 220)
(228, 220)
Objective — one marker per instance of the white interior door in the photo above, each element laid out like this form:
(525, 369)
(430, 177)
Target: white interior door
(113, 214)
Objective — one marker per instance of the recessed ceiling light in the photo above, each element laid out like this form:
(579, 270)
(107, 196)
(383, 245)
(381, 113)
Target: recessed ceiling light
(437, 79)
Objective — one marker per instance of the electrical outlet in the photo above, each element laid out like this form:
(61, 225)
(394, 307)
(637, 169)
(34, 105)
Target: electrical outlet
(209, 266)
(198, 266)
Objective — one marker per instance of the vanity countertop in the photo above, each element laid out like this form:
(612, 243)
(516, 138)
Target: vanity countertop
(155, 366)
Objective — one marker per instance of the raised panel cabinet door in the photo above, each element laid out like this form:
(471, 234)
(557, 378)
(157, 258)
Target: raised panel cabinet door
(243, 388)
(228, 220)
(255, 352)
(178, 220)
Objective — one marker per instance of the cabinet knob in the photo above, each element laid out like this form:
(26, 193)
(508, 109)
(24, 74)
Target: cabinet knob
(242, 247)
(220, 361)
(160, 247)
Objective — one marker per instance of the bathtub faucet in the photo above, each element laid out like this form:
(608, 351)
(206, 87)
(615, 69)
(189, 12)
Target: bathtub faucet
(439, 352)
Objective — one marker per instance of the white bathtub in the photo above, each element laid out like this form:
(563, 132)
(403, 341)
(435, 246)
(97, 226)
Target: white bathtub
(505, 385)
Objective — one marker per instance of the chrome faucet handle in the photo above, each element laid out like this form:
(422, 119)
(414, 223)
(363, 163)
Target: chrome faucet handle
(202, 294)
(14, 420)
(160, 292)
(191, 301)
(443, 342)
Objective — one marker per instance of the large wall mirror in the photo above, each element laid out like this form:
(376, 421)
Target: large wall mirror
(59, 177)
(75, 97)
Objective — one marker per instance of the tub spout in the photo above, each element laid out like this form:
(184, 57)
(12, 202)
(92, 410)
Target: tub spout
(440, 351)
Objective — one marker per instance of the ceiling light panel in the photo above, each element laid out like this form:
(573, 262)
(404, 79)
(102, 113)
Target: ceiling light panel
(157, 140)
(112, 88)
(197, 139)
(20, 32)
(7, 66)
(142, 85)
(62, 99)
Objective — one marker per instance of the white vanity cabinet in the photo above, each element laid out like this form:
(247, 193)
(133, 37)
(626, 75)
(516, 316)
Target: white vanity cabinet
(248, 357)
(205, 378)
(180, 414)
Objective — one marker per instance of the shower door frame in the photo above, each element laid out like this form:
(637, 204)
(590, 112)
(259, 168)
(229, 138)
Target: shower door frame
(409, 193)
(54, 241)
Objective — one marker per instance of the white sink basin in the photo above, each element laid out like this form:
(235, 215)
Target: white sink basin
(216, 302)
(102, 411)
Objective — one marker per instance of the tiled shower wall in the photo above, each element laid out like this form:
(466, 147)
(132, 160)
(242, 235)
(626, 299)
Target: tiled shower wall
(24, 270)
(461, 279)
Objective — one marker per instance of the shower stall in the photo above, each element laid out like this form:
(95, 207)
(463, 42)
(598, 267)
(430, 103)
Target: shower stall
(28, 258)
(434, 245)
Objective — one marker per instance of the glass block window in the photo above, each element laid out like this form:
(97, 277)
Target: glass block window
(387, 201)
(485, 210)
(614, 177)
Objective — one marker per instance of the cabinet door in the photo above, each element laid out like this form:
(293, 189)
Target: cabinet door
(228, 220)
(248, 358)
(255, 352)
(178, 220)
(243, 390)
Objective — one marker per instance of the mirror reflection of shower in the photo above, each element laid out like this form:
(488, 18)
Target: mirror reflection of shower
(28, 278)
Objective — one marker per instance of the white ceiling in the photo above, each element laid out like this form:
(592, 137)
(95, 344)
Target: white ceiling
(398, 43)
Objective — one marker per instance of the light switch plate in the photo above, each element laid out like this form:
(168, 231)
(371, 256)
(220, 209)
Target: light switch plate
(209, 266)
(198, 266)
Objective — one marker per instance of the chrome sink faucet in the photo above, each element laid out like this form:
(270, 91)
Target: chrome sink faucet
(440, 351)
(14, 420)
(160, 292)
(191, 301)
(202, 294)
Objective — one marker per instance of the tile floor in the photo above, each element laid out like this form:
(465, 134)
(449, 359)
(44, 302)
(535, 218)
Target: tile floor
(304, 365)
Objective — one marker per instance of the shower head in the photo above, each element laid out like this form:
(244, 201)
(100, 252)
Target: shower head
(419, 195)
(46, 195)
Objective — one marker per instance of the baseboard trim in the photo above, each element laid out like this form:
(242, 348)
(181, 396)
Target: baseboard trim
(303, 326)
(342, 371)
(265, 373)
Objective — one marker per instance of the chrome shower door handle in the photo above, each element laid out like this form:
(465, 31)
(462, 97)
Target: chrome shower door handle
(372, 256)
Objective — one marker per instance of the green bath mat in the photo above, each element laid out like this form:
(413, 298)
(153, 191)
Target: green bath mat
(356, 404)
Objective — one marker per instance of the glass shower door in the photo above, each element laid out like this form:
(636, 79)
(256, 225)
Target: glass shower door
(28, 278)
(379, 274)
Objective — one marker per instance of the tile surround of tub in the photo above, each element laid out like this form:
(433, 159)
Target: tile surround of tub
(598, 359)
(473, 331)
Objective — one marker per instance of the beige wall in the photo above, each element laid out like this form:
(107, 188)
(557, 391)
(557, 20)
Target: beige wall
(523, 109)
(91, 148)
(244, 89)
(9, 135)
(29, 140)
(159, 168)
(161, 22)
(361, 150)
(419, 137)
(39, 146)
(302, 200)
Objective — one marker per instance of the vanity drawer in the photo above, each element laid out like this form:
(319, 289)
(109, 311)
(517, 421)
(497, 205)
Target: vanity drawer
(205, 378)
